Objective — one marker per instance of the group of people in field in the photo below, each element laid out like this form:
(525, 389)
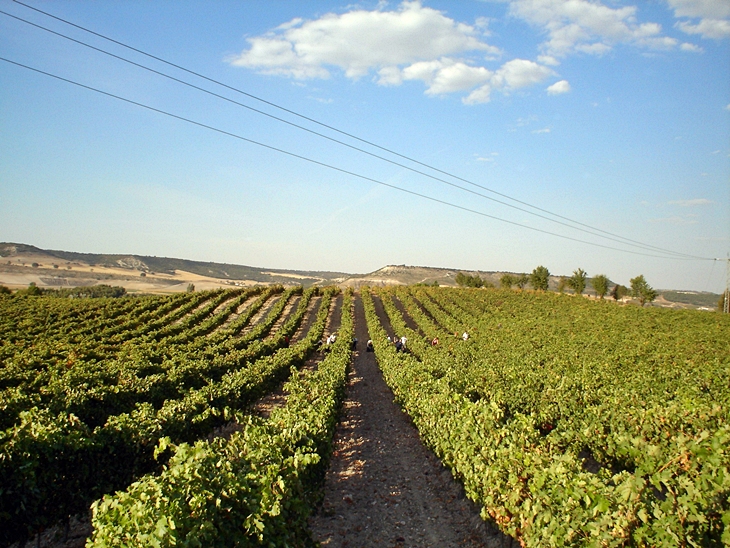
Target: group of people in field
(326, 345)
(401, 343)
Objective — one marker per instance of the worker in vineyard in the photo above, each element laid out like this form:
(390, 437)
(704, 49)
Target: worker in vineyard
(403, 342)
(398, 345)
(465, 336)
(435, 341)
(353, 344)
(369, 346)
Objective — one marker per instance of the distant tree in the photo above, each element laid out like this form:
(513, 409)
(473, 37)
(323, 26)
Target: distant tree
(102, 290)
(600, 284)
(642, 290)
(539, 278)
(507, 281)
(191, 288)
(522, 280)
(619, 292)
(465, 280)
(562, 284)
(142, 275)
(577, 281)
(6, 291)
(720, 303)
(33, 290)
(34, 265)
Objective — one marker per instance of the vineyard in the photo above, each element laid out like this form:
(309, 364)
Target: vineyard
(570, 422)
(207, 419)
(146, 409)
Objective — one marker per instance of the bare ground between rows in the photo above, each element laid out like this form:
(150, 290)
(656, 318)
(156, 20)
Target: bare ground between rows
(277, 398)
(235, 314)
(410, 322)
(384, 488)
(261, 314)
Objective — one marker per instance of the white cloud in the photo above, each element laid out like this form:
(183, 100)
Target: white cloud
(482, 94)
(359, 41)
(558, 87)
(712, 9)
(708, 28)
(691, 203)
(410, 43)
(587, 26)
(548, 60)
(686, 46)
(446, 76)
(727, 107)
(514, 74)
(676, 220)
(520, 73)
(713, 15)
(544, 130)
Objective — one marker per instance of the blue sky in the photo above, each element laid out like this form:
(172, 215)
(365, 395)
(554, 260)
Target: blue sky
(612, 114)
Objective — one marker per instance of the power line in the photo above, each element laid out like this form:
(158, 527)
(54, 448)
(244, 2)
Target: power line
(144, 67)
(593, 233)
(326, 165)
(592, 230)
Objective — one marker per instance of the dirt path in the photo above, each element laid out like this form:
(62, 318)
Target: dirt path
(384, 488)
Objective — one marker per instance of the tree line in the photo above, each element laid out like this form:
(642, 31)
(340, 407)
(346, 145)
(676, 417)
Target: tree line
(540, 276)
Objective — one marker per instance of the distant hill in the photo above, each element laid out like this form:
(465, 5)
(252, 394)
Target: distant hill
(21, 264)
(699, 299)
(54, 265)
(408, 275)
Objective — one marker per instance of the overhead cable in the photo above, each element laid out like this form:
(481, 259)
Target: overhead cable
(592, 230)
(329, 166)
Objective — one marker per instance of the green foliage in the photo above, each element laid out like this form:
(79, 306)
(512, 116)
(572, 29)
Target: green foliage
(563, 284)
(4, 290)
(577, 281)
(256, 489)
(619, 292)
(642, 290)
(564, 436)
(83, 409)
(94, 291)
(465, 280)
(32, 290)
(522, 280)
(190, 288)
(539, 278)
(600, 284)
(507, 281)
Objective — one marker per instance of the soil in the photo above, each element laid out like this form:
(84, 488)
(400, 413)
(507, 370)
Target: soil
(383, 487)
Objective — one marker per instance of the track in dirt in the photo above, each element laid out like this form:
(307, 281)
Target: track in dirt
(384, 488)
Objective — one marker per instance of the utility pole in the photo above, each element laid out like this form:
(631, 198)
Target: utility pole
(726, 300)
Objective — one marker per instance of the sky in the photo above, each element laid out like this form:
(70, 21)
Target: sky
(493, 135)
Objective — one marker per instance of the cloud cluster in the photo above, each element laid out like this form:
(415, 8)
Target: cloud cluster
(411, 43)
(708, 18)
(691, 203)
(589, 27)
(418, 43)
